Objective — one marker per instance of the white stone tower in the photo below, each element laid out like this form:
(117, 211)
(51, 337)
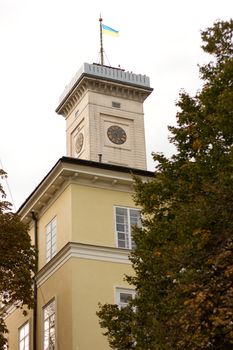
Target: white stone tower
(103, 107)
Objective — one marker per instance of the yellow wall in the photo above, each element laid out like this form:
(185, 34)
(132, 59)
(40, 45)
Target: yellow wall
(93, 282)
(61, 208)
(78, 286)
(93, 214)
(84, 215)
(14, 322)
(58, 286)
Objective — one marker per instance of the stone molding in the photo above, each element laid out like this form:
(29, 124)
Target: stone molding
(81, 251)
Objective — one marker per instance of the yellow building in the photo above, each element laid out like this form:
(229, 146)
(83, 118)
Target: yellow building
(81, 213)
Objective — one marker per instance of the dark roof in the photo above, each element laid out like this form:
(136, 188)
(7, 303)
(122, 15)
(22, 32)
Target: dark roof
(106, 166)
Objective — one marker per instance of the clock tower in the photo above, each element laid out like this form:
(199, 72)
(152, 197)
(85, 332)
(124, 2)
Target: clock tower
(103, 108)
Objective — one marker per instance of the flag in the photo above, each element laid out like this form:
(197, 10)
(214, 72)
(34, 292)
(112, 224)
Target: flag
(109, 30)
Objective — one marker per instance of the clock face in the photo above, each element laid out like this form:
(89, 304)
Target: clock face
(116, 134)
(79, 142)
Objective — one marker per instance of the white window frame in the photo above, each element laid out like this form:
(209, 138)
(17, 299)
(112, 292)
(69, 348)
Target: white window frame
(51, 319)
(24, 336)
(129, 243)
(118, 293)
(51, 239)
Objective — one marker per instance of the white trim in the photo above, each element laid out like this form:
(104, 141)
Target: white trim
(82, 251)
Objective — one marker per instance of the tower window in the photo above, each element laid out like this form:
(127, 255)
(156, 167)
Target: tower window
(116, 104)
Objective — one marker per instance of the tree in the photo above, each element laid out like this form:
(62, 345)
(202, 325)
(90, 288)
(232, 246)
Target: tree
(183, 260)
(17, 262)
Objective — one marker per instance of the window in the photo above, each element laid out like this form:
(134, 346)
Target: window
(24, 337)
(123, 296)
(51, 239)
(125, 219)
(49, 326)
(116, 104)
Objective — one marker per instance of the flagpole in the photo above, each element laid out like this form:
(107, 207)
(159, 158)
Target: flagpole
(101, 43)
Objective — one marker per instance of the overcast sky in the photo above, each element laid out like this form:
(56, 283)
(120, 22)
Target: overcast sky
(44, 43)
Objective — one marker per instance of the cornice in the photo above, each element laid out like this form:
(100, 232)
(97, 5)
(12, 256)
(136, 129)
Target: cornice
(11, 308)
(102, 86)
(65, 176)
(81, 251)
(69, 171)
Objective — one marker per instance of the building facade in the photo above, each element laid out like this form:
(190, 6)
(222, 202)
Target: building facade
(81, 214)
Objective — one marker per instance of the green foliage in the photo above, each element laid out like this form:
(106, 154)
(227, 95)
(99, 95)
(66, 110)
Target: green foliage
(183, 260)
(17, 262)
(118, 322)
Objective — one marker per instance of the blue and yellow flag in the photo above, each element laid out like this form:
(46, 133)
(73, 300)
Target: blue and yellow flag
(109, 30)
